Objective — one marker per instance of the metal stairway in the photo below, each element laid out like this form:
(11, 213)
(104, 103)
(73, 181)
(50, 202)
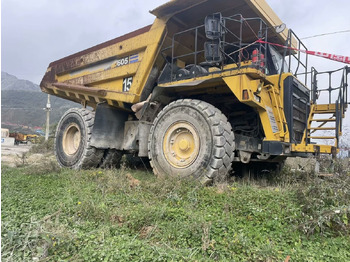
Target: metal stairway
(325, 120)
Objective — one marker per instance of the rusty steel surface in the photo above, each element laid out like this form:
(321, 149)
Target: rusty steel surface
(107, 67)
(74, 60)
(85, 89)
(103, 45)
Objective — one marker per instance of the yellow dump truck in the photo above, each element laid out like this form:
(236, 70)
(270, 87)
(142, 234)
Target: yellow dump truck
(19, 138)
(200, 91)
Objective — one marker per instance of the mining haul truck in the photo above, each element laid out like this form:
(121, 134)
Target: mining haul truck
(19, 138)
(199, 92)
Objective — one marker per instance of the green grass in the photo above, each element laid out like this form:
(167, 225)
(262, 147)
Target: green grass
(101, 215)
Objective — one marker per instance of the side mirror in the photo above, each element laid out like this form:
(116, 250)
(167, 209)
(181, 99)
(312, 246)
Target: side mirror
(214, 26)
(279, 28)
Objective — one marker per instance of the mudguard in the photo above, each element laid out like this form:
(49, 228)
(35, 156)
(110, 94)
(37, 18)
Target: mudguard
(108, 131)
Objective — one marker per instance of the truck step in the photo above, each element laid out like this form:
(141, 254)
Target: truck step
(325, 107)
(324, 112)
(321, 137)
(324, 120)
(322, 128)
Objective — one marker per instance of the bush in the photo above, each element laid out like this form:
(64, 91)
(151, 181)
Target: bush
(325, 204)
(43, 146)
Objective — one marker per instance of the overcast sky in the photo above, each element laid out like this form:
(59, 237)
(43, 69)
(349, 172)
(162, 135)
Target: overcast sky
(37, 32)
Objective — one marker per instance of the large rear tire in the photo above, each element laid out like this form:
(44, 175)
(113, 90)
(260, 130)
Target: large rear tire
(73, 138)
(191, 138)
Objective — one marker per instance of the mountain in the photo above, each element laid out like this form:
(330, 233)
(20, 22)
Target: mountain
(22, 104)
(10, 82)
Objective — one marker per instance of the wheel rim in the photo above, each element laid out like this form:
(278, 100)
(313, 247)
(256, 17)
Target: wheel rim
(181, 144)
(71, 139)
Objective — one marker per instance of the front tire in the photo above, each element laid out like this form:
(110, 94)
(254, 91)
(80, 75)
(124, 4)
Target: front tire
(191, 138)
(73, 138)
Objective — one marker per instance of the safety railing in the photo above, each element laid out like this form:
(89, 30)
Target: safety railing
(342, 89)
(295, 58)
(222, 43)
(337, 95)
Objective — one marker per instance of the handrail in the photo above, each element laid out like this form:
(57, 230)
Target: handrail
(342, 96)
(293, 52)
(236, 37)
(340, 101)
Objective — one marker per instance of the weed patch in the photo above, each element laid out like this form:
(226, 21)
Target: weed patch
(43, 146)
(105, 215)
(326, 205)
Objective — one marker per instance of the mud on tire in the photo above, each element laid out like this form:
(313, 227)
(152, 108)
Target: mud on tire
(72, 140)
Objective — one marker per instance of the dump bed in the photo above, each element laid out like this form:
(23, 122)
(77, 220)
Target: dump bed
(123, 71)
(112, 71)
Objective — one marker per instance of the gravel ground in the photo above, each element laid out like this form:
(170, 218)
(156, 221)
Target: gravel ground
(10, 155)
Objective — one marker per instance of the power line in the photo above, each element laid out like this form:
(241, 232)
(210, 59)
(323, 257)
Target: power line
(19, 108)
(332, 33)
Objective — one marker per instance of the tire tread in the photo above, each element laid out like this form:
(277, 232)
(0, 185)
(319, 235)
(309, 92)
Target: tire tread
(91, 156)
(223, 138)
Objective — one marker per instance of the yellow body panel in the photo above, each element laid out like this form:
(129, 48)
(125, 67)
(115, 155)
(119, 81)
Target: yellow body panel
(243, 83)
(267, 102)
(105, 69)
(312, 148)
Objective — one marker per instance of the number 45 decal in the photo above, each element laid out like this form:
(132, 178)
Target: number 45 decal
(127, 84)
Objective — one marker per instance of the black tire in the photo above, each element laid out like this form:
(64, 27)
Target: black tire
(111, 159)
(72, 140)
(198, 123)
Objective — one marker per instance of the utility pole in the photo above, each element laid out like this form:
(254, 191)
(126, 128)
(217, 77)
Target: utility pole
(47, 109)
